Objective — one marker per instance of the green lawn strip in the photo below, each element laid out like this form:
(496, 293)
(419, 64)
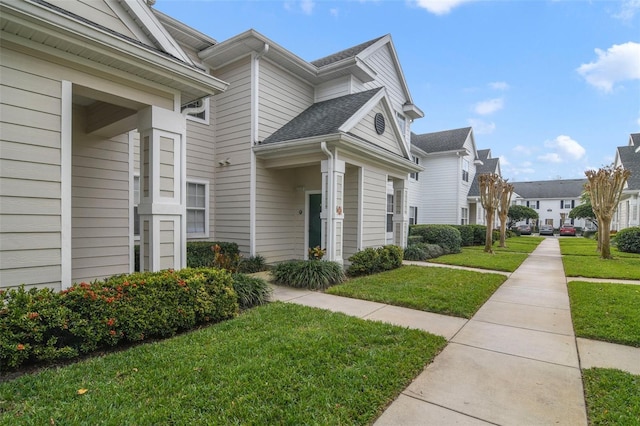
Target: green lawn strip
(445, 291)
(276, 364)
(606, 311)
(472, 257)
(514, 245)
(623, 268)
(588, 247)
(612, 396)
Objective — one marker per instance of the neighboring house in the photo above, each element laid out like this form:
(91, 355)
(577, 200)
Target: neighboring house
(552, 199)
(628, 211)
(440, 194)
(277, 154)
(477, 213)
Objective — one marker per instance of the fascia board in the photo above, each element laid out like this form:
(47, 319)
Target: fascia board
(371, 151)
(96, 40)
(416, 150)
(167, 20)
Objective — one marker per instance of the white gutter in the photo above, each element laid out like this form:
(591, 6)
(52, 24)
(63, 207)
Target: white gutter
(330, 158)
(255, 135)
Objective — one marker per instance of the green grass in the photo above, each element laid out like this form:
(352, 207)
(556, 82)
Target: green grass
(606, 311)
(588, 247)
(276, 364)
(612, 397)
(440, 290)
(581, 259)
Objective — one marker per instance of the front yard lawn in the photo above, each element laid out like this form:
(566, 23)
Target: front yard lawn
(476, 258)
(581, 259)
(606, 311)
(276, 364)
(588, 247)
(612, 396)
(441, 290)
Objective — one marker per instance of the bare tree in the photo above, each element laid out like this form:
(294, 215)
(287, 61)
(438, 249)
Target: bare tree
(505, 191)
(605, 187)
(490, 199)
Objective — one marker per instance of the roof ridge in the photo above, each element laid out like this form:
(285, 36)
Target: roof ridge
(345, 53)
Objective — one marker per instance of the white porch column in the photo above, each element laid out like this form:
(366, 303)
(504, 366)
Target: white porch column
(162, 205)
(332, 214)
(401, 213)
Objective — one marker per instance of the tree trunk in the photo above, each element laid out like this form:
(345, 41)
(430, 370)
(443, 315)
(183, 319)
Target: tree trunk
(488, 244)
(605, 236)
(503, 232)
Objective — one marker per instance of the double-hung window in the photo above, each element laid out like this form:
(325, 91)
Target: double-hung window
(413, 215)
(465, 170)
(197, 209)
(464, 213)
(136, 201)
(414, 175)
(389, 212)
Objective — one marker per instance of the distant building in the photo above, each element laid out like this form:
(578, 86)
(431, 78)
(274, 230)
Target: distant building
(552, 199)
(628, 212)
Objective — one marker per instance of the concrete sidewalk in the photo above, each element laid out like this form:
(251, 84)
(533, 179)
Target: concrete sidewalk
(515, 362)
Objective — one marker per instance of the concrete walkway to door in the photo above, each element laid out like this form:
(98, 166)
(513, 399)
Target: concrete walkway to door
(515, 362)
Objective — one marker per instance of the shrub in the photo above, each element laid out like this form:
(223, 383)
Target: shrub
(446, 236)
(372, 260)
(433, 250)
(39, 325)
(310, 274)
(414, 239)
(466, 234)
(628, 239)
(415, 252)
(252, 265)
(200, 254)
(251, 291)
(495, 236)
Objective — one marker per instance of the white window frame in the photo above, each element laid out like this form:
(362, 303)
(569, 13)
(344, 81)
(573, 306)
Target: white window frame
(465, 170)
(196, 118)
(415, 175)
(413, 215)
(464, 216)
(206, 207)
(402, 123)
(390, 210)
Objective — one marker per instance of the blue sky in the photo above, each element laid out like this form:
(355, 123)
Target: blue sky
(550, 86)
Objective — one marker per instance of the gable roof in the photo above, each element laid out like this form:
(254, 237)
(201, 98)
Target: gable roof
(489, 165)
(634, 139)
(630, 159)
(560, 188)
(447, 140)
(344, 54)
(322, 118)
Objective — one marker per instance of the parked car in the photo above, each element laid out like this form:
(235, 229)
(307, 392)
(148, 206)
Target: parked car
(567, 230)
(546, 229)
(524, 229)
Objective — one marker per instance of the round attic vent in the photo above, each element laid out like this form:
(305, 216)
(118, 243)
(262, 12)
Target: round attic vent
(378, 123)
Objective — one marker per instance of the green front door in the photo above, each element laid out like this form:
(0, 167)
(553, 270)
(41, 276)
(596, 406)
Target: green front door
(315, 224)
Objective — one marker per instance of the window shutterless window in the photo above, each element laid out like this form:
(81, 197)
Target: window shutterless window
(136, 201)
(413, 215)
(465, 170)
(197, 209)
(415, 175)
(390, 210)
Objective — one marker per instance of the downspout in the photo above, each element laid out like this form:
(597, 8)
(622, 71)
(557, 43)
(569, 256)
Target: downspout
(330, 208)
(255, 135)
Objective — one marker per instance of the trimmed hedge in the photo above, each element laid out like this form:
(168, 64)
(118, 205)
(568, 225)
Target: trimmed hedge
(423, 252)
(628, 239)
(372, 260)
(310, 274)
(200, 253)
(446, 236)
(472, 235)
(42, 325)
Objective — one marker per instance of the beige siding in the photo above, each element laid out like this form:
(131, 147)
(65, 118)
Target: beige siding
(232, 117)
(374, 208)
(334, 89)
(386, 75)
(366, 130)
(282, 97)
(30, 151)
(96, 11)
(351, 210)
(100, 204)
(439, 190)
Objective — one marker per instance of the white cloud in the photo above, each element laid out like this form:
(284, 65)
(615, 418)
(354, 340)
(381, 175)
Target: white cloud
(522, 149)
(489, 106)
(628, 10)
(481, 127)
(503, 161)
(305, 5)
(440, 7)
(501, 85)
(552, 157)
(565, 146)
(621, 62)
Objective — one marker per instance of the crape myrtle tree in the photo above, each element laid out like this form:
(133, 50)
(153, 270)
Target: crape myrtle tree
(605, 187)
(506, 191)
(518, 213)
(490, 190)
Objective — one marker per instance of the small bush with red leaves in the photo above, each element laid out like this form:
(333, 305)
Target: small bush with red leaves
(41, 325)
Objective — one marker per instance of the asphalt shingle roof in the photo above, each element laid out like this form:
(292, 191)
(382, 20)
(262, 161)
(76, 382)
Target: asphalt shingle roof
(489, 165)
(635, 137)
(447, 140)
(564, 188)
(322, 118)
(344, 54)
(631, 161)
